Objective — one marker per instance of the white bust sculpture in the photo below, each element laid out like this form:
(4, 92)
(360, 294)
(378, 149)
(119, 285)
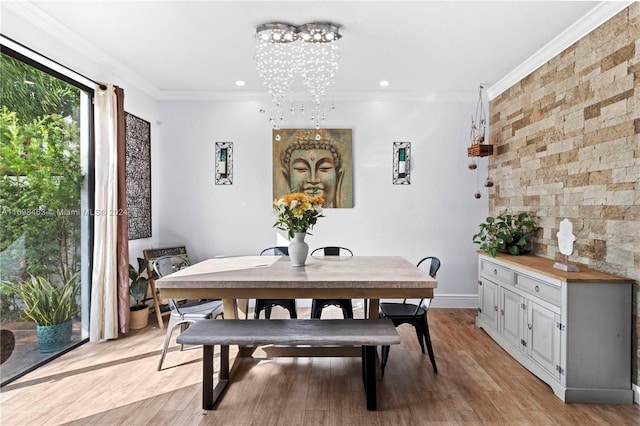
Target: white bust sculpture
(565, 245)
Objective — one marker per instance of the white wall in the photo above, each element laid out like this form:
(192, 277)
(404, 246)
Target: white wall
(436, 215)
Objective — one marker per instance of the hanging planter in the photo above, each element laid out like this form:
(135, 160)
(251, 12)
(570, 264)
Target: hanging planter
(478, 146)
(480, 150)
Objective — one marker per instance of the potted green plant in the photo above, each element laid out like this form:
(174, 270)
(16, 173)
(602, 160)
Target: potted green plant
(138, 290)
(51, 306)
(507, 233)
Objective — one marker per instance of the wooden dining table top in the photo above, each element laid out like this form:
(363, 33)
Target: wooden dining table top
(273, 276)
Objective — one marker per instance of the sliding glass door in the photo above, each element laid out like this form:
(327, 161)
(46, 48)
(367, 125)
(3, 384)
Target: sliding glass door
(44, 221)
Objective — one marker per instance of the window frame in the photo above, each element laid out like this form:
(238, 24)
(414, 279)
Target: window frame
(28, 56)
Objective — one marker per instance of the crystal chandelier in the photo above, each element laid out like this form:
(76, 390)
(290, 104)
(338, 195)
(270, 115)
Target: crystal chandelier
(285, 52)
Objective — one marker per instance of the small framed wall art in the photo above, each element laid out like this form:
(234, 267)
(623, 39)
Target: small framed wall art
(224, 163)
(401, 163)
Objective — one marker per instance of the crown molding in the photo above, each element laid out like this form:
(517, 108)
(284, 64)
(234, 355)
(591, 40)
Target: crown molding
(55, 29)
(589, 22)
(260, 96)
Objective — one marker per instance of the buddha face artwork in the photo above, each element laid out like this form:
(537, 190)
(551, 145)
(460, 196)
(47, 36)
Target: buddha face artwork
(321, 167)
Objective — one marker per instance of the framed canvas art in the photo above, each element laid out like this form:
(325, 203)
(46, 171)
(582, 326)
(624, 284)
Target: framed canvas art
(314, 162)
(138, 176)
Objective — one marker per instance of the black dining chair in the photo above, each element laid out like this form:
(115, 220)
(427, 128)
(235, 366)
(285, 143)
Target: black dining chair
(317, 305)
(183, 313)
(409, 313)
(267, 304)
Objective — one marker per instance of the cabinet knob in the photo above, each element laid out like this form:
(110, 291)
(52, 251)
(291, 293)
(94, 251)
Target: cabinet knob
(530, 326)
(495, 272)
(537, 288)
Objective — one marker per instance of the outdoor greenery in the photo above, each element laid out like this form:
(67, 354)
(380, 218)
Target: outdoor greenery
(40, 179)
(508, 233)
(47, 303)
(31, 93)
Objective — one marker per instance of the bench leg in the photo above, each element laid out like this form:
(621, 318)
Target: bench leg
(207, 377)
(369, 375)
(211, 395)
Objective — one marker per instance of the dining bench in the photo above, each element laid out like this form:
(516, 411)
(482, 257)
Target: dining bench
(367, 333)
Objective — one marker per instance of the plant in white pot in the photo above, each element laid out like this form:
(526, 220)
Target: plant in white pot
(51, 306)
(138, 290)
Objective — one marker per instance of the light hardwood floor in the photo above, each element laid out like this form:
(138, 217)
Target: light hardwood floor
(116, 383)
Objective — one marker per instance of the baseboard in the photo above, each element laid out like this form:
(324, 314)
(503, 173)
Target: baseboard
(455, 301)
(636, 393)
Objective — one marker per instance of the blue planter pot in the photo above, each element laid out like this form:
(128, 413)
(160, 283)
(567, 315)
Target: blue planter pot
(53, 338)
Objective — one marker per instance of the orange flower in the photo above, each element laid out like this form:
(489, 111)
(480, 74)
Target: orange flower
(297, 212)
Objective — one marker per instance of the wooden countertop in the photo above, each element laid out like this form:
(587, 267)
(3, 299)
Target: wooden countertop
(545, 266)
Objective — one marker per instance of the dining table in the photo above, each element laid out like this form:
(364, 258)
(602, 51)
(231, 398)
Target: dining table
(235, 280)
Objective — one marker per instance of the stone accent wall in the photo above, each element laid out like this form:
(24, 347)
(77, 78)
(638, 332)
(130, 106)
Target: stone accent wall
(567, 145)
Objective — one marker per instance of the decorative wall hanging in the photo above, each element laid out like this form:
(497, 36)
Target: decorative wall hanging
(315, 166)
(478, 146)
(224, 163)
(401, 163)
(138, 176)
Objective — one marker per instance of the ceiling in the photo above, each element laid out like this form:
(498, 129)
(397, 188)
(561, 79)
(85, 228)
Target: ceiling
(425, 49)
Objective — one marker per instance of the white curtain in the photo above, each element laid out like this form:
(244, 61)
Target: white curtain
(104, 288)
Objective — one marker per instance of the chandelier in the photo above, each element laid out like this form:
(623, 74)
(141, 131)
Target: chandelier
(286, 54)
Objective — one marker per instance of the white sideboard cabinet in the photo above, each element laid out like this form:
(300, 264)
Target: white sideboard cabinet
(571, 329)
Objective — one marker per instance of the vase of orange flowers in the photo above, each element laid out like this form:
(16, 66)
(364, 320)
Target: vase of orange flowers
(297, 214)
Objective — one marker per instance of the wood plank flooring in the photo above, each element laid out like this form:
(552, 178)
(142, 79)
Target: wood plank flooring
(116, 383)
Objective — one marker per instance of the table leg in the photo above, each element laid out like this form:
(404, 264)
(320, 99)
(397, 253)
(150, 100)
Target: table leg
(230, 307)
(374, 308)
(156, 302)
(243, 306)
(374, 313)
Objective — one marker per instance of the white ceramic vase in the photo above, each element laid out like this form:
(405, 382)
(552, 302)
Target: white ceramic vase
(298, 249)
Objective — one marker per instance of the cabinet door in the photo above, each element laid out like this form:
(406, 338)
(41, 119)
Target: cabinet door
(512, 317)
(488, 303)
(544, 338)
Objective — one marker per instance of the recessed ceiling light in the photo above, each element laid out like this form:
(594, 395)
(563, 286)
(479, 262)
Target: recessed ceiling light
(240, 83)
(383, 83)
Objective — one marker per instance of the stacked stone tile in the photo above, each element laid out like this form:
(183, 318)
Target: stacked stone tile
(567, 140)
